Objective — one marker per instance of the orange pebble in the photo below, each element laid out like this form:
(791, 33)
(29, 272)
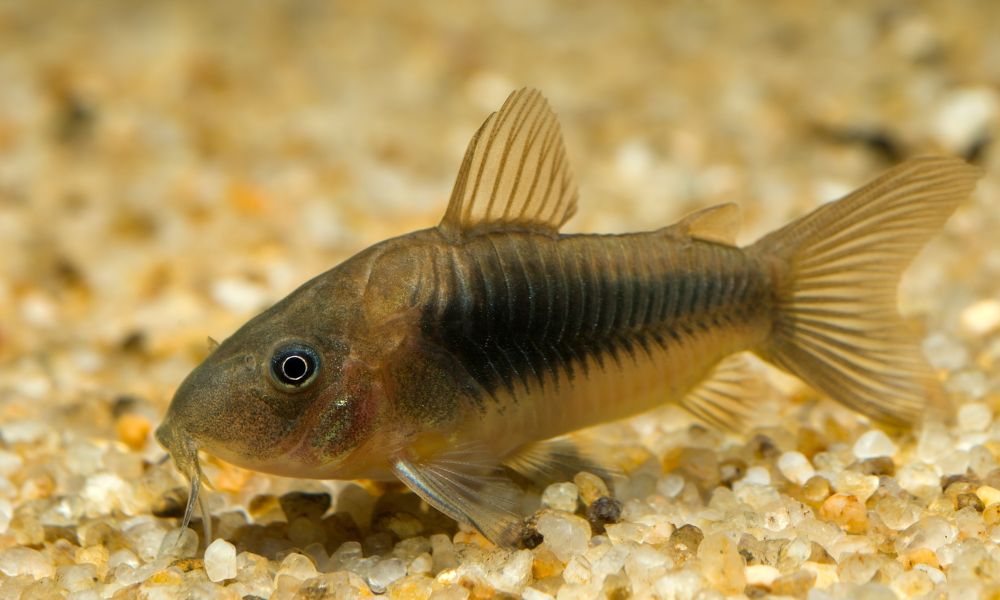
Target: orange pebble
(133, 429)
(846, 511)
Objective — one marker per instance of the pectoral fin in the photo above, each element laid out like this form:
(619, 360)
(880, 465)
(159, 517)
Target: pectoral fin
(468, 486)
(555, 460)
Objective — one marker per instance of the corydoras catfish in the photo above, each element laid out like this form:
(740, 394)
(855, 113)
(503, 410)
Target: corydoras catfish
(445, 356)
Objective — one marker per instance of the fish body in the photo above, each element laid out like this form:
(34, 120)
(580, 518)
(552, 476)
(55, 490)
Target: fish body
(440, 356)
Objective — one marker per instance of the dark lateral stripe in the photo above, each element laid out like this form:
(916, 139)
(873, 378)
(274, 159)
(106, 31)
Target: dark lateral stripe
(523, 309)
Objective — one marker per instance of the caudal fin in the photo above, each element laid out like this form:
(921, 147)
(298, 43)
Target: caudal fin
(837, 269)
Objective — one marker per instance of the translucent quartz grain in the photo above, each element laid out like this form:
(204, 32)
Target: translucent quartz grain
(77, 578)
(857, 485)
(567, 535)
(974, 416)
(873, 444)
(897, 513)
(220, 560)
(561, 496)
(298, 566)
(25, 561)
(513, 574)
(385, 572)
(920, 479)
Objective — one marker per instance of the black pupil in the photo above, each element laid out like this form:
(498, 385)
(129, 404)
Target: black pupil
(295, 367)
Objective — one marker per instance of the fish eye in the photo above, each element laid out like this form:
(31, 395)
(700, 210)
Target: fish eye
(294, 366)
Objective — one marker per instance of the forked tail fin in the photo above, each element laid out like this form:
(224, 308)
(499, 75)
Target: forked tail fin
(836, 271)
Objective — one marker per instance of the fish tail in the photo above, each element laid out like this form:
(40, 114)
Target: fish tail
(836, 270)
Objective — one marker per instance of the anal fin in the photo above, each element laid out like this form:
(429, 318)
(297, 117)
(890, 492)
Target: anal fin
(467, 484)
(731, 397)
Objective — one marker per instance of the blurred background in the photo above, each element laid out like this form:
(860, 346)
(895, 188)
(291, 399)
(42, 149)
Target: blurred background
(169, 169)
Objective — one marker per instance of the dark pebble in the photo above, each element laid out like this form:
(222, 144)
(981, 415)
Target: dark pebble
(532, 538)
(963, 500)
(603, 511)
(304, 504)
(881, 465)
(171, 505)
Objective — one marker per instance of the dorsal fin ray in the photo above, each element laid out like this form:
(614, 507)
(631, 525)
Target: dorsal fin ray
(515, 174)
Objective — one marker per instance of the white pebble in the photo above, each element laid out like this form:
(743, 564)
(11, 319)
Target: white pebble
(757, 476)
(239, 295)
(873, 444)
(974, 416)
(670, 486)
(955, 462)
(963, 116)
(10, 463)
(761, 574)
(935, 574)
(944, 352)
(679, 585)
(982, 317)
(561, 496)
(6, 514)
(795, 467)
(220, 561)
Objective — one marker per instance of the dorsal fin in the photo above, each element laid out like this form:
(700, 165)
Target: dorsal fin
(515, 173)
(719, 224)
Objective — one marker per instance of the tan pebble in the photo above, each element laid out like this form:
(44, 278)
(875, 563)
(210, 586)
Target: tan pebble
(991, 514)
(989, 495)
(722, 564)
(469, 536)
(796, 585)
(816, 490)
(826, 574)
(810, 442)
(262, 504)
(545, 564)
(230, 477)
(591, 486)
(846, 511)
(166, 577)
(133, 429)
(919, 556)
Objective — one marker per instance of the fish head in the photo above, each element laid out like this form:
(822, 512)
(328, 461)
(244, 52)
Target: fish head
(281, 395)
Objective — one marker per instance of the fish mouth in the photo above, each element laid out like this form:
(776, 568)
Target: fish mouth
(184, 452)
